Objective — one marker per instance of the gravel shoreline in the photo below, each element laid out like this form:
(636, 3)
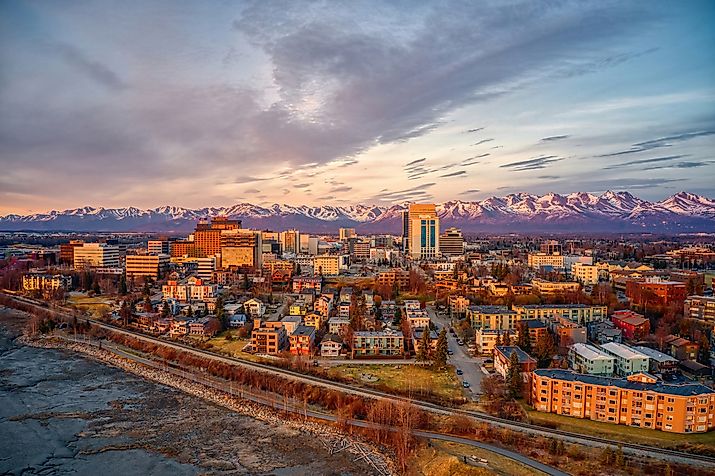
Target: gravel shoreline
(327, 434)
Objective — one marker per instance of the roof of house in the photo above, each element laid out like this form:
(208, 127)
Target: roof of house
(660, 387)
(304, 331)
(507, 350)
(658, 356)
(622, 350)
(332, 338)
(590, 352)
(491, 309)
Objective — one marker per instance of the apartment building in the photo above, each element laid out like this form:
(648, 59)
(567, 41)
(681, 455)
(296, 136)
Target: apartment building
(396, 276)
(567, 332)
(290, 241)
(302, 341)
(655, 291)
(486, 339)
(45, 282)
(492, 317)
(502, 360)
(639, 400)
(303, 282)
(207, 235)
(634, 326)
(536, 329)
(96, 255)
(659, 362)
(544, 260)
(701, 308)
(378, 343)
(67, 251)
(451, 242)
(587, 359)
(457, 305)
(338, 325)
(586, 274)
(326, 265)
(360, 250)
(193, 290)
(627, 360)
(579, 313)
(148, 266)
(268, 340)
(347, 233)
(550, 288)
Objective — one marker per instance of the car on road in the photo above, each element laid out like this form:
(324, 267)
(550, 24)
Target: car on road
(465, 384)
(460, 342)
(450, 352)
(459, 372)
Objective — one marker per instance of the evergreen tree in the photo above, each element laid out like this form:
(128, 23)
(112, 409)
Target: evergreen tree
(423, 352)
(95, 287)
(221, 313)
(123, 285)
(147, 289)
(165, 311)
(507, 339)
(190, 312)
(440, 357)
(497, 342)
(125, 312)
(513, 376)
(524, 340)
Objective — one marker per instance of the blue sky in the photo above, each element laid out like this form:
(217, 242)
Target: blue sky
(213, 103)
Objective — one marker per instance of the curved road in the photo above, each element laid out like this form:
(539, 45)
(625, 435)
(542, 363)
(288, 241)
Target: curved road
(577, 438)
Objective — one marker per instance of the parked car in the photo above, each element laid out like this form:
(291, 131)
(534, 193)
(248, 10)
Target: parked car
(459, 372)
(460, 342)
(465, 384)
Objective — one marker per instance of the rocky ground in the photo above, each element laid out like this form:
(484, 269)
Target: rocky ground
(62, 413)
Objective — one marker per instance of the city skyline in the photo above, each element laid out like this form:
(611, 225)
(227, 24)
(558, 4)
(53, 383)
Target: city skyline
(325, 103)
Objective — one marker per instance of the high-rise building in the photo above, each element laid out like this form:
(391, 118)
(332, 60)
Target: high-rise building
(146, 265)
(207, 236)
(241, 248)
(551, 247)
(451, 242)
(423, 231)
(290, 241)
(406, 231)
(67, 251)
(96, 255)
(158, 247)
(347, 233)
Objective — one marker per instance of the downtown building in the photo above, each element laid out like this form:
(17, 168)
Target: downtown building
(451, 242)
(96, 255)
(147, 266)
(423, 231)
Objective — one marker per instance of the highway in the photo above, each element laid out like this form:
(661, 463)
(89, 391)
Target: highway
(577, 438)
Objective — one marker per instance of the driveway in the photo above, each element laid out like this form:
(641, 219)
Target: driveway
(461, 358)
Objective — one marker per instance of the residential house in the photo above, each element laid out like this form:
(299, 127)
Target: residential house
(502, 360)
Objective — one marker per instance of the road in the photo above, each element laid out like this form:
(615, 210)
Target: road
(289, 405)
(571, 437)
(461, 358)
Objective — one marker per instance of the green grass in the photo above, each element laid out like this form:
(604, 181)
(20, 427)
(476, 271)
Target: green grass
(620, 432)
(406, 378)
(445, 458)
(232, 347)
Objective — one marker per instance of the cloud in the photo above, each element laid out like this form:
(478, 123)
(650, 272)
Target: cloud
(470, 191)
(301, 185)
(555, 138)
(549, 177)
(252, 190)
(660, 142)
(645, 161)
(414, 162)
(482, 141)
(93, 69)
(249, 179)
(471, 131)
(532, 164)
(454, 174)
(340, 189)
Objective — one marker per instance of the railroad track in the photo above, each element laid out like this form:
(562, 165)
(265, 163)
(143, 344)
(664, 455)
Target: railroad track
(579, 438)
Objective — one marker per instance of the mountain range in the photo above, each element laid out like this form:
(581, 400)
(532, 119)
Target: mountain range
(521, 212)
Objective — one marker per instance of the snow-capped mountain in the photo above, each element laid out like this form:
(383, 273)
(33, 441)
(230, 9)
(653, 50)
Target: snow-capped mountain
(610, 211)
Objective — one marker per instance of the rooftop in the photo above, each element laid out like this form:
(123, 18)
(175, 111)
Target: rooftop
(304, 331)
(491, 309)
(557, 306)
(622, 351)
(507, 350)
(590, 352)
(684, 390)
(654, 354)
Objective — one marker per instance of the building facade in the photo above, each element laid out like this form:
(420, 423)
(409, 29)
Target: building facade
(423, 231)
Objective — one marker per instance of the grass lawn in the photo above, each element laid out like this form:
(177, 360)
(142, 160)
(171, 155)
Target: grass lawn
(621, 432)
(233, 347)
(442, 383)
(444, 458)
(97, 306)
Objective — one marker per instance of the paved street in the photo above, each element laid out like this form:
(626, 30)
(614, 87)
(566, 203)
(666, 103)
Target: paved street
(461, 358)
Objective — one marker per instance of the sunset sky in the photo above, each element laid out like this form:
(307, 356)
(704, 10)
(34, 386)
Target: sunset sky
(136, 103)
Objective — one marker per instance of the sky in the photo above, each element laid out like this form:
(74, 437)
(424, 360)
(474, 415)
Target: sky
(195, 103)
